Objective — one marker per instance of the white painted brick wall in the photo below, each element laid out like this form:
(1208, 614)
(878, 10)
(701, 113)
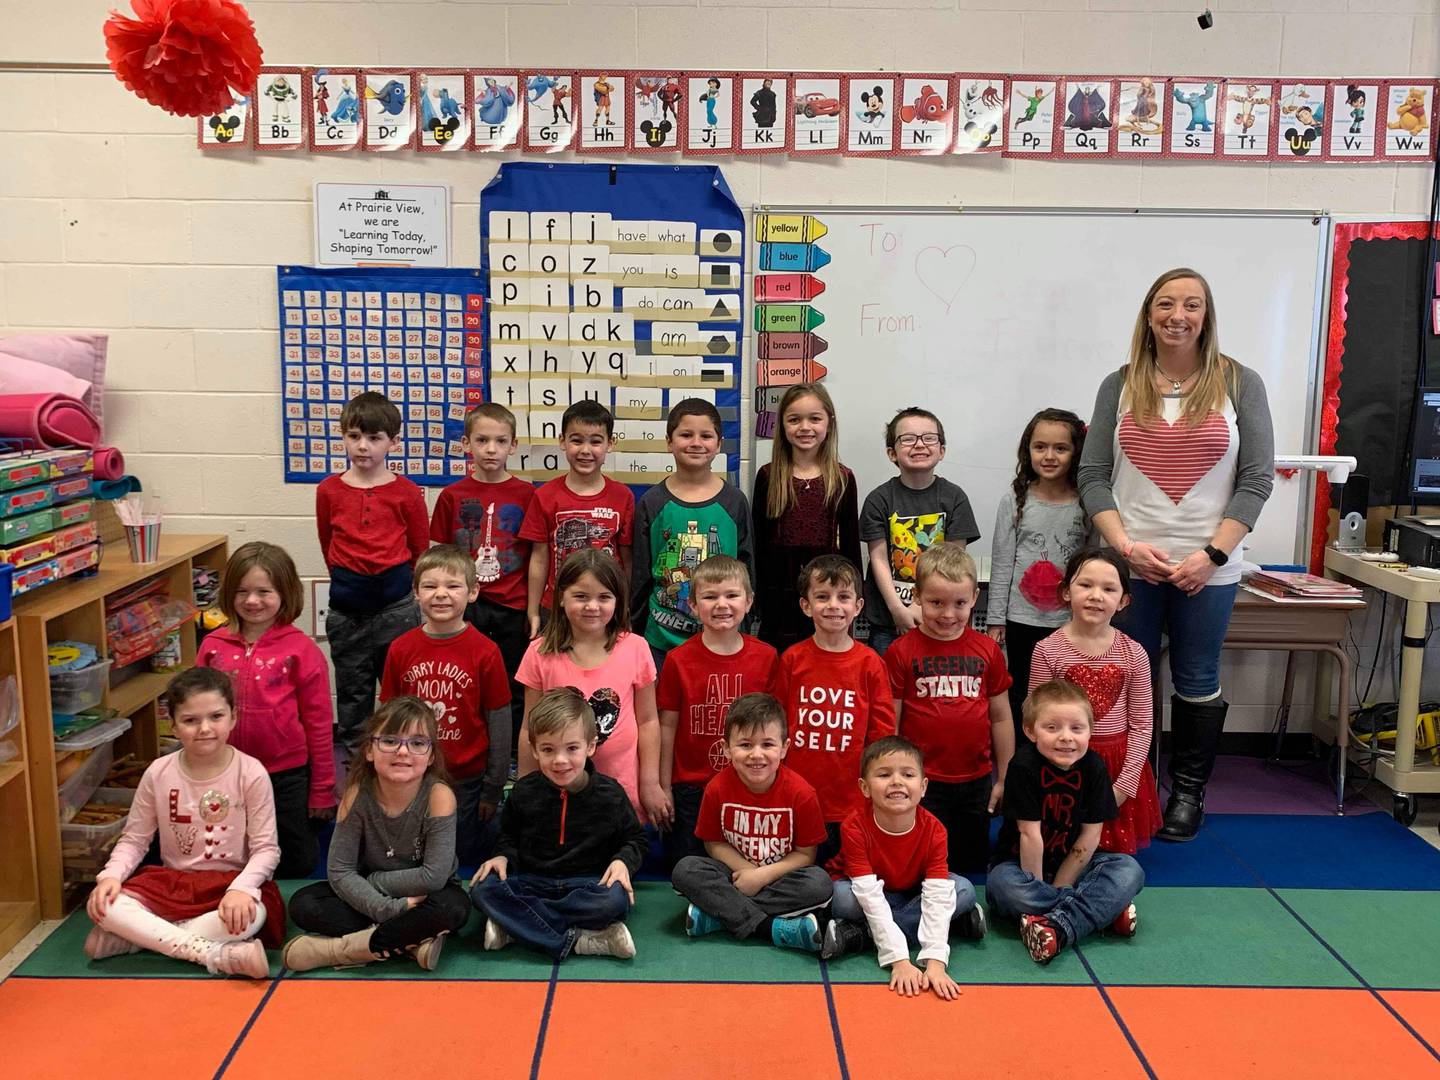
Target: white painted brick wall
(112, 220)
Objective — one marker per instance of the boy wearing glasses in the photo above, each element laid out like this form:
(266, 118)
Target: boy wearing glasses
(459, 673)
(904, 516)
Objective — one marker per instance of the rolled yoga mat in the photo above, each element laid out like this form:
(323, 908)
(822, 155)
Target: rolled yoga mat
(50, 419)
(109, 463)
(115, 489)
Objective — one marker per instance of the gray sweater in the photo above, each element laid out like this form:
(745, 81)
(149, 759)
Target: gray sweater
(1255, 465)
(1047, 532)
(376, 884)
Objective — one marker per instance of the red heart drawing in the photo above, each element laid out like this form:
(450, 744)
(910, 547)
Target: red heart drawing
(1175, 456)
(1102, 685)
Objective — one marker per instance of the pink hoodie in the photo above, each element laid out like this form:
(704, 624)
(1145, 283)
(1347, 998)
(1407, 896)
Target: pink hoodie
(283, 714)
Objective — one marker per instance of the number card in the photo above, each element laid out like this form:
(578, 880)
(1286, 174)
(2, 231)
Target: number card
(414, 335)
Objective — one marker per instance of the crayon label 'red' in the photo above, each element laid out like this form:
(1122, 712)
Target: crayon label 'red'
(792, 257)
(787, 287)
(773, 318)
(791, 346)
(789, 228)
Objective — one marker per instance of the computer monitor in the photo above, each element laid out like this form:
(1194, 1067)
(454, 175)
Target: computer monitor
(1425, 448)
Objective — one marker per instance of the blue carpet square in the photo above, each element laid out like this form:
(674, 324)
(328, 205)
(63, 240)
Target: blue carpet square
(1369, 851)
(1202, 863)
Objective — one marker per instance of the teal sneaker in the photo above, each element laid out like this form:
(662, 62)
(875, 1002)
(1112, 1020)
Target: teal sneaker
(698, 924)
(801, 933)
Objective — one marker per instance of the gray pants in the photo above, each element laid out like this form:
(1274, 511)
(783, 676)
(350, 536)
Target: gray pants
(705, 882)
(358, 644)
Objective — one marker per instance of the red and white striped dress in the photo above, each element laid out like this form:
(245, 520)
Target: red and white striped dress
(1117, 682)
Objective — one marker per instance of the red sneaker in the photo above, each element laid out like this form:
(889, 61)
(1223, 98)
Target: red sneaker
(1126, 923)
(1040, 937)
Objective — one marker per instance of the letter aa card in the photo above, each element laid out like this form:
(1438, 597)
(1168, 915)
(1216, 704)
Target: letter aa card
(980, 122)
(1246, 116)
(444, 110)
(499, 109)
(227, 129)
(657, 112)
(1408, 118)
(762, 101)
(1032, 127)
(279, 108)
(1300, 121)
(388, 106)
(604, 98)
(1352, 109)
(819, 115)
(710, 100)
(927, 114)
(1089, 122)
(550, 112)
(334, 106)
(1140, 116)
(872, 118)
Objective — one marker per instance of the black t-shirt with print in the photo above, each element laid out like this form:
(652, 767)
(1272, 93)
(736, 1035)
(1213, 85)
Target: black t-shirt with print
(1062, 800)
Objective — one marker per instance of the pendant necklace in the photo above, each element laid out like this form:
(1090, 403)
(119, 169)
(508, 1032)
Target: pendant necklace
(383, 820)
(1175, 383)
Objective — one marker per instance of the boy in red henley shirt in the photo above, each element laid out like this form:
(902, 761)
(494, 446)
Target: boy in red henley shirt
(835, 692)
(459, 673)
(373, 526)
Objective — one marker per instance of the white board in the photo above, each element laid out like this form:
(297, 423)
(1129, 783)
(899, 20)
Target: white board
(985, 317)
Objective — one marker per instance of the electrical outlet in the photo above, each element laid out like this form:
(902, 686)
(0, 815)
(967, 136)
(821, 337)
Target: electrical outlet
(319, 608)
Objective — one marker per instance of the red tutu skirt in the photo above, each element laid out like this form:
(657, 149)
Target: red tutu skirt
(1140, 817)
(183, 894)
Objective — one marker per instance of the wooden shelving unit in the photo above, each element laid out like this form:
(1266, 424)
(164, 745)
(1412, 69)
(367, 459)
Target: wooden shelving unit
(75, 611)
(19, 884)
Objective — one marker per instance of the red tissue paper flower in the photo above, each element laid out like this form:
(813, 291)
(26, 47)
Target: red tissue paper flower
(185, 56)
(1041, 585)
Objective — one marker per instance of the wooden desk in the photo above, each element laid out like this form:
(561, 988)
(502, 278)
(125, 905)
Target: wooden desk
(1402, 774)
(1258, 623)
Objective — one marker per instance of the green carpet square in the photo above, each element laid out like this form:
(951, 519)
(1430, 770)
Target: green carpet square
(1222, 937)
(1387, 936)
(664, 954)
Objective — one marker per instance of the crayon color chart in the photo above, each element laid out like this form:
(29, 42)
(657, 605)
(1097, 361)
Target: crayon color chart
(786, 342)
(415, 335)
(618, 283)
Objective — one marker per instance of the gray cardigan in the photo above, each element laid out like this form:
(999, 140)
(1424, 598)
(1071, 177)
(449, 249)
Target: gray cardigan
(1255, 463)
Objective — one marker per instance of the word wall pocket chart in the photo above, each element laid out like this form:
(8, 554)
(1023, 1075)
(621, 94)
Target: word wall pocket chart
(414, 334)
(622, 284)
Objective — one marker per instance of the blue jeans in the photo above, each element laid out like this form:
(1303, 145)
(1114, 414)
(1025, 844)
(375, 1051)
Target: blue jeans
(549, 913)
(1195, 624)
(1103, 891)
(904, 906)
(882, 637)
(474, 839)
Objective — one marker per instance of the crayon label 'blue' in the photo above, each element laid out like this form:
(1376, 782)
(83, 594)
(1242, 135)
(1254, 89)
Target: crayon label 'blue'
(792, 257)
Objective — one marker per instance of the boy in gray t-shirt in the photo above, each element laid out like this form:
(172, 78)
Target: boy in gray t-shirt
(904, 516)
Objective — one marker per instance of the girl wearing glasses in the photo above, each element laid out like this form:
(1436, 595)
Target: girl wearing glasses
(392, 859)
(1039, 524)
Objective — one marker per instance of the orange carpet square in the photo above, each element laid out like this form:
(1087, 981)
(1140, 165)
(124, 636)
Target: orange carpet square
(1000, 1030)
(121, 1028)
(419, 1027)
(699, 1032)
(1421, 1010)
(1234, 1032)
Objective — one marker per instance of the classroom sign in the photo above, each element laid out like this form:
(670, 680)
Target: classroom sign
(365, 225)
(860, 114)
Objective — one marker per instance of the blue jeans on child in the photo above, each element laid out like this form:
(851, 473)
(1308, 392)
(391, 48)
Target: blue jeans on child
(1101, 893)
(549, 913)
(1196, 626)
(904, 906)
(474, 839)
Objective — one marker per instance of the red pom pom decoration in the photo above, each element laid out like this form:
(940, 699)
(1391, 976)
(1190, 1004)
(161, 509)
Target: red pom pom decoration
(186, 56)
(1041, 585)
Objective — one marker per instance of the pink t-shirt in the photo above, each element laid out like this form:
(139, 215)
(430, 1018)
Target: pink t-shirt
(611, 689)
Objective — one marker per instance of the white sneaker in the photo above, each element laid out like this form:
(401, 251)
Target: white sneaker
(101, 944)
(614, 940)
(241, 958)
(495, 937)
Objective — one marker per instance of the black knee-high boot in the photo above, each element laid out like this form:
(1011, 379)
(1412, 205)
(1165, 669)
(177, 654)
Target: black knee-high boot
(1196, 728)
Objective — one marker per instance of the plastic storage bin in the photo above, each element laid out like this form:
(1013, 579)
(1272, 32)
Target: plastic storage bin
(76, 691)
(76, 791)
(84, 849)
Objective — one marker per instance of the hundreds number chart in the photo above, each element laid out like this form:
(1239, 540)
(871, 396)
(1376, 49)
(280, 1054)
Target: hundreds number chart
(621, 284)
(415, 335)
